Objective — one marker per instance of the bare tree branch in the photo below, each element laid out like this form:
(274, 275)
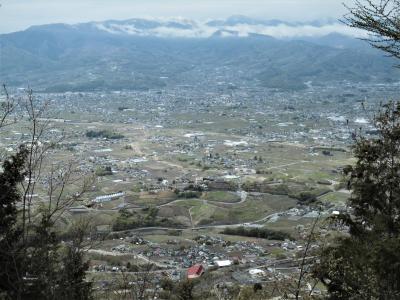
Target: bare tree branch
(381, 19)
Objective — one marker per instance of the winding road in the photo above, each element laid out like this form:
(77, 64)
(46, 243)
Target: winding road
(243, 198)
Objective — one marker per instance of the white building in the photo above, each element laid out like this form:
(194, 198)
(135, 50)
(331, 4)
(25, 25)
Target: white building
(257, 273)
(106, 198)
(223, 263)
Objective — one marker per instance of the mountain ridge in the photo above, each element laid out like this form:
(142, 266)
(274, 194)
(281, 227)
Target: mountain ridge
(61, 57)
(184, 27)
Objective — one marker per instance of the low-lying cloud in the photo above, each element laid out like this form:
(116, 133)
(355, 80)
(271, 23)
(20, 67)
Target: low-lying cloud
(190, 29)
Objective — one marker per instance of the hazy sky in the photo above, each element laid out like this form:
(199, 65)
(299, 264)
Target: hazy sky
(20, 14)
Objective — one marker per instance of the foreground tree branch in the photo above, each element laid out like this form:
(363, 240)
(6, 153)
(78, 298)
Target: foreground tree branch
(381, 19)
(34, 264)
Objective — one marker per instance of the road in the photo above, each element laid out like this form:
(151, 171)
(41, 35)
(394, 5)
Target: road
(135, 256)
(284, 261)
(242, 194)
(243, 198)
(203, 227)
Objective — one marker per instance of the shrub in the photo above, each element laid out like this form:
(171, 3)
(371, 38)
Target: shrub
(263, 233)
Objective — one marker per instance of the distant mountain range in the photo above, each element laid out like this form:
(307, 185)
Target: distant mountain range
(143, 54)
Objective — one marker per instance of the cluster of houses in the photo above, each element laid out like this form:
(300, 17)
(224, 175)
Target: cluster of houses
(186, 123)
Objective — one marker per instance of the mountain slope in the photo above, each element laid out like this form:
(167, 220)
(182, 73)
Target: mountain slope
(89, 57)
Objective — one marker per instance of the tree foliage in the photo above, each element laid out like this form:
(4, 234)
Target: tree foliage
(34, 264)
(74, 267)
(256, 232)
(365, 264)
(184, 290)
(36, 268)
(11, 255)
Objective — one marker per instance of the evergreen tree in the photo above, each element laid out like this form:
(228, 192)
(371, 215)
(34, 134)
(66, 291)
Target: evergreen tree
(72, 284)
(31, 262)
(11, 247)
(184, 290)
(366, 263)
(43, 266)
(35, 268)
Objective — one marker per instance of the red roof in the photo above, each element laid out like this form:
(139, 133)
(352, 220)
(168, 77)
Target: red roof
(195, 270)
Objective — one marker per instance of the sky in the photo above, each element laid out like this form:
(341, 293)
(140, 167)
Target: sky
(18, 15)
